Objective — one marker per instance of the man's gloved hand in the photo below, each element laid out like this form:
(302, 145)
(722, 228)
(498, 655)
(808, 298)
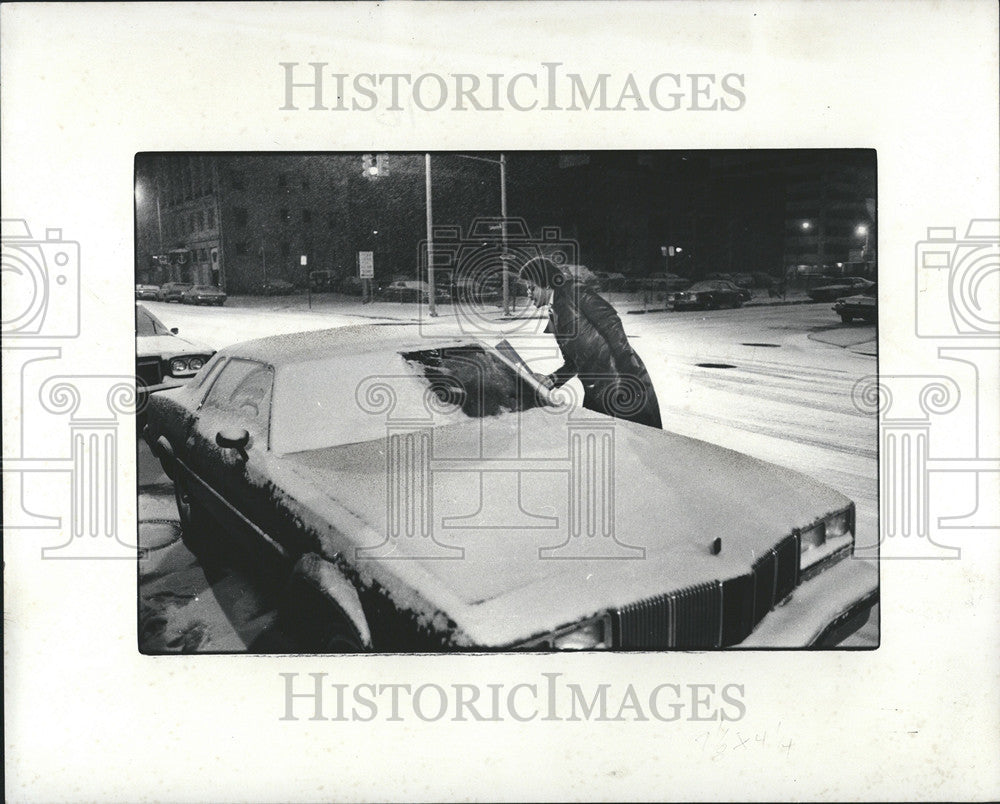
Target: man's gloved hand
(546, 381)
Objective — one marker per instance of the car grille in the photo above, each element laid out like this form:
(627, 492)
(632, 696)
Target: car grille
(148, 371)
(713, 614)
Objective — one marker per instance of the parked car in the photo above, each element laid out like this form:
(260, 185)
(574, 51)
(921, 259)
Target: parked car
(204, 294)
(711, 295)
(844, 286)
(352, 285)
(743, 280)
(323, 280)
(146, 292)
(610, 282)
(173, 291)
(406, 290)
(163, 359)
(863, 305)
(276, 287)
(356, 470)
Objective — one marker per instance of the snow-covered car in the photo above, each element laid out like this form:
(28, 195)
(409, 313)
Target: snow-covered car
(711, 295)
(204, 294)
(414, 495)
(840, 287)
(163, 359)
(146, 292)
(864, 306)
(173, 291)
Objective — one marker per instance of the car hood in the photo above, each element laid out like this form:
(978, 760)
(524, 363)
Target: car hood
(501, 557)
(167, 346)
(860, 298)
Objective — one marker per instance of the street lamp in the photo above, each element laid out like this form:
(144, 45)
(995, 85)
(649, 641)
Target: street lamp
(806, 226)
(862, 231)
(668, 252)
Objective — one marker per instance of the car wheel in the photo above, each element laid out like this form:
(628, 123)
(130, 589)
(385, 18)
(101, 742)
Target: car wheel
(316, 623)
(737, 303)
(847, 318)
(195, 521)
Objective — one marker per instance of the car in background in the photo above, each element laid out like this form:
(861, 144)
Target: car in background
(610, 282)
(743, 280)
(352, 285)
(277, 287)
(279, 450)
(323, 280)
(840, 287)
(406, 290)
(413, 290)
(204, 294)
(711, 294)
(173, 291)
(863, 305)
(163, 359)
(146, 292)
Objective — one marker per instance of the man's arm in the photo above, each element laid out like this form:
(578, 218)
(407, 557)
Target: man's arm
(606, 321)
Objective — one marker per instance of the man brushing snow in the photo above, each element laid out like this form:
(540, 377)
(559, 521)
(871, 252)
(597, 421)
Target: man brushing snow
(594, 346)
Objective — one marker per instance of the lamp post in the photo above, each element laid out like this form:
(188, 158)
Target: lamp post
(862, 231)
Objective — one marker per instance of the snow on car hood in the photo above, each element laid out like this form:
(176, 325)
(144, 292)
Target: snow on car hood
(167, 346)
(500, 499)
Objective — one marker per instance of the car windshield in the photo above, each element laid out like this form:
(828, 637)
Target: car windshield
(716, 285)
(352, 398)
(204, 288)
(146, 324)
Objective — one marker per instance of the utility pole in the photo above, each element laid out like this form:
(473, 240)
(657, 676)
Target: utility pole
(432, 308)
(503, 234)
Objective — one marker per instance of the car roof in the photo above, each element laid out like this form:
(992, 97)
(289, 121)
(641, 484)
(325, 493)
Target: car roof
(303, 347)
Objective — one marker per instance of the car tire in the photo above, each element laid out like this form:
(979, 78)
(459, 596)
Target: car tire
(195, 521)
(737, 304)
(316, 623)
(847, 318)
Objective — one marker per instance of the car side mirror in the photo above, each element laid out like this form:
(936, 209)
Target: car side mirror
(234, 438)
(174, 330)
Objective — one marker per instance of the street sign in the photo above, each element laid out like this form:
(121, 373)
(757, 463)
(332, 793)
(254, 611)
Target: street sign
(366, 265)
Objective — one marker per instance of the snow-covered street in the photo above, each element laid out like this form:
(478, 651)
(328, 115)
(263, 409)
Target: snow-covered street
(774, 382)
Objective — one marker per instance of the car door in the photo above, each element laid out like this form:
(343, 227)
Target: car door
(227, 450)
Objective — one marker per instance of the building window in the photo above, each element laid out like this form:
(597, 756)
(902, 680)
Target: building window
(284, 215)
(240, 217)
(240, 247)
(307, 216)
(202, 255)
(211, 217)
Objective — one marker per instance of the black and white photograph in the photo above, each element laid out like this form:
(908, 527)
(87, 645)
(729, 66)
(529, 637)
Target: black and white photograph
(601, 400)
